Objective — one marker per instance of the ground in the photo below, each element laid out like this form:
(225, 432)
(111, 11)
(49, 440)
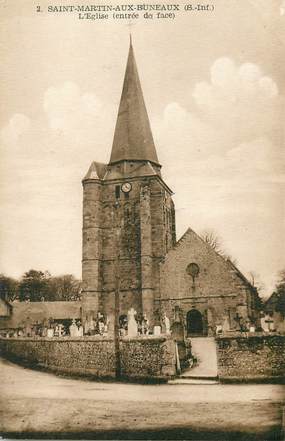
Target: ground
(39, 404)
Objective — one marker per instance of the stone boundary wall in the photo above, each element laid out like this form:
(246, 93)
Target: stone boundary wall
(251, 358)
(151, 358)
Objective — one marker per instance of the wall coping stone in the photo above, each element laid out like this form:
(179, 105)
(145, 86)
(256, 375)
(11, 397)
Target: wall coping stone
(152, 338)
(156, 338)
(247, 335)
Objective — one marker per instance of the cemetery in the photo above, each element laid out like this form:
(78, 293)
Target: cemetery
(142, 353)
(73, 348)
(145, 296)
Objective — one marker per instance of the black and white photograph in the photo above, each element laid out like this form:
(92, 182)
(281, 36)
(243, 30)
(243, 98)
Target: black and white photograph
(142, 268)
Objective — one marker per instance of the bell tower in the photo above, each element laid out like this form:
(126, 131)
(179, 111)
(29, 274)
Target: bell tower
(128, 214)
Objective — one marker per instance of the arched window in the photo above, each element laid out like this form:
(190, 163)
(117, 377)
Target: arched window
(193, 270)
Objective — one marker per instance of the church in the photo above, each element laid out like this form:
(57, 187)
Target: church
(131, 258)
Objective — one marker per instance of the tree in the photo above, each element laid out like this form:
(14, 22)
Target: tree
(280, 293)
(40, 285)
(65, 287)
(214, 240)
(34, 286)
(8, 288)
(255, 281)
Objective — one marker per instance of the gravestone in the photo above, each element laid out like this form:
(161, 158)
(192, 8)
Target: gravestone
(166, 324)
(226, 324)
(177, 332)
(264, 324)
(50, 332)
(60, 330)
(80, 332)
(73, 330)
(145, 325)
(86, 325)
(271, 323)
(219, 329)
(92, 326)
(156, 330)
(132, 324)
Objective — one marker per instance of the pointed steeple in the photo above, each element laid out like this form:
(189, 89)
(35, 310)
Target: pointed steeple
(133, 138)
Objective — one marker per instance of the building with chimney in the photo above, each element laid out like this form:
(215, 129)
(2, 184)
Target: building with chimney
(130, 255)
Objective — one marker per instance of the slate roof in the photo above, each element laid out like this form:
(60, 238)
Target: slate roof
(270, 303)
(132, 138)
(97, 170)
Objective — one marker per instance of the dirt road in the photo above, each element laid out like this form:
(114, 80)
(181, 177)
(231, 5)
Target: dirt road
(38, 404)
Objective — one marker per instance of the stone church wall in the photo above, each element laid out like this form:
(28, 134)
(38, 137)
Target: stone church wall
(141, 358)
(216, 290)
(252, 358)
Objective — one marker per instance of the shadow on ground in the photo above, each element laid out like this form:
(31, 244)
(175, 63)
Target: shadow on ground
(165, 434)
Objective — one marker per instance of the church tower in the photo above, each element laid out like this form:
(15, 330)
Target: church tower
(128, 215)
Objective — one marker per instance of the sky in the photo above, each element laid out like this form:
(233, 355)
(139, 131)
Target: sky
(214, 85)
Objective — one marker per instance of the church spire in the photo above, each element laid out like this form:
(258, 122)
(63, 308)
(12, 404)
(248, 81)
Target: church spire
(133, 138)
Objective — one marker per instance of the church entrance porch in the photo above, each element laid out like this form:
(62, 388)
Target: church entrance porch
(194, 323)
